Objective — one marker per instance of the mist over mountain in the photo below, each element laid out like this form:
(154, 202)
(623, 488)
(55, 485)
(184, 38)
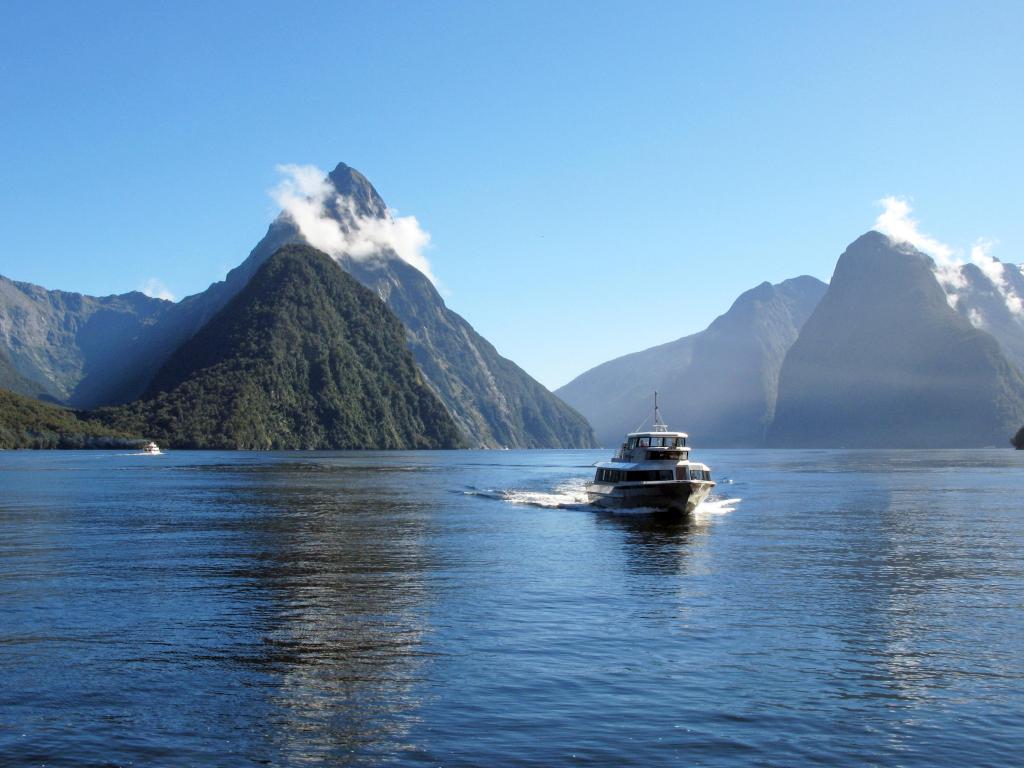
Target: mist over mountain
(994, 305)
(884, 360)
(303, 357)
(719, 384)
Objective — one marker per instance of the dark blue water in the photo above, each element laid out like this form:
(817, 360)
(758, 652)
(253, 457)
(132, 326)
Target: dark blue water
(463, 609)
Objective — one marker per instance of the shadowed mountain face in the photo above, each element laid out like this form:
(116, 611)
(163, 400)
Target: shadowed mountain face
(67, 343)
(719, 385)
(303, 357)
(884, 361)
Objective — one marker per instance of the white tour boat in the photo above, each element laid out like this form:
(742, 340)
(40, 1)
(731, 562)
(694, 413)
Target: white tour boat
(652, 469)
(151, 448)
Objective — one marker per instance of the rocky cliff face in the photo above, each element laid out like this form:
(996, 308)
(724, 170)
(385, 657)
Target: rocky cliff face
(885, 361)
(13, 381)
(719, 385)
(69, 343)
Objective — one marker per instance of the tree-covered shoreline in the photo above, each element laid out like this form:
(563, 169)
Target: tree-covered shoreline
(26, 423)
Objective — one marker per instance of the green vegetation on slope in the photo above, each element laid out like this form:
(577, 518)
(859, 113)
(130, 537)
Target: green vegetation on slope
(304, 357)
(28, 423)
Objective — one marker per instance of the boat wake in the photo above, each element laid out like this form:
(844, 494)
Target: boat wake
(570, 494)
(712, 507)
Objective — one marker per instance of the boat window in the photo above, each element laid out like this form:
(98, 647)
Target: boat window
(661, 455)
(657, 442)
(632, 442)
(665, 474)
(644, 442)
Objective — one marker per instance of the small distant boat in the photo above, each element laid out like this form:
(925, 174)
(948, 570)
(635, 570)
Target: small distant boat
(151, 448)
(652, 469)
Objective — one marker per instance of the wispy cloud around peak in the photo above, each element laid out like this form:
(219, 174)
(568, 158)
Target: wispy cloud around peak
(155, 289)
(307, 196)
(896, 222)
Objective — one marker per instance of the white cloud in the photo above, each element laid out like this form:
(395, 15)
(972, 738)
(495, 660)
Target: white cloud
(304, 194)
(895, 222)
(155, 289)
(995, 271)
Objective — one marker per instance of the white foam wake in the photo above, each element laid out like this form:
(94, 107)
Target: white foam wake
(714, 506)
(567, 494)
(570, 493)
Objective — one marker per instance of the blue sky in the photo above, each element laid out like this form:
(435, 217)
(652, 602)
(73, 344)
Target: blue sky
(596, 177)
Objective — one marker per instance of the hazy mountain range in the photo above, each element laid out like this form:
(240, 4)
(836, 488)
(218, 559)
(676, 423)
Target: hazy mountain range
(884, 360)
(720, 384)
(882, 356)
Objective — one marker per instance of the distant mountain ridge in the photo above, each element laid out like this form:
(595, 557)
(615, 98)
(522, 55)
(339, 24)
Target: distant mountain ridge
(878, 358)
(67, 343)
(718, 384)
(303, 357)
(884, 361)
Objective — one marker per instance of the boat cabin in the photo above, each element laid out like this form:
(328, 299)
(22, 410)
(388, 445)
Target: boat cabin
(654, 446)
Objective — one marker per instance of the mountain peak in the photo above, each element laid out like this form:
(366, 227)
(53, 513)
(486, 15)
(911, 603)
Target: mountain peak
(351, 184)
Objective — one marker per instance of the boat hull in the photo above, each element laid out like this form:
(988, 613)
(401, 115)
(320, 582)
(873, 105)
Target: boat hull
(677, 496)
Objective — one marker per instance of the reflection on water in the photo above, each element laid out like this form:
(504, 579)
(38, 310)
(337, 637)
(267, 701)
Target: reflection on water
(467, 608)
(340, 577)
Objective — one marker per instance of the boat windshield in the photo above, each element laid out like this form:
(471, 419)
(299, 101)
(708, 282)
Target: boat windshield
(656, 442)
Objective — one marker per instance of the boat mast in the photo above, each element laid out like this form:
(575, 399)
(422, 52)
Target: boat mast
(658, 425)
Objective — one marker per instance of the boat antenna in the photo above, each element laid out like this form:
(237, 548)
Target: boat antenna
(658, 425)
